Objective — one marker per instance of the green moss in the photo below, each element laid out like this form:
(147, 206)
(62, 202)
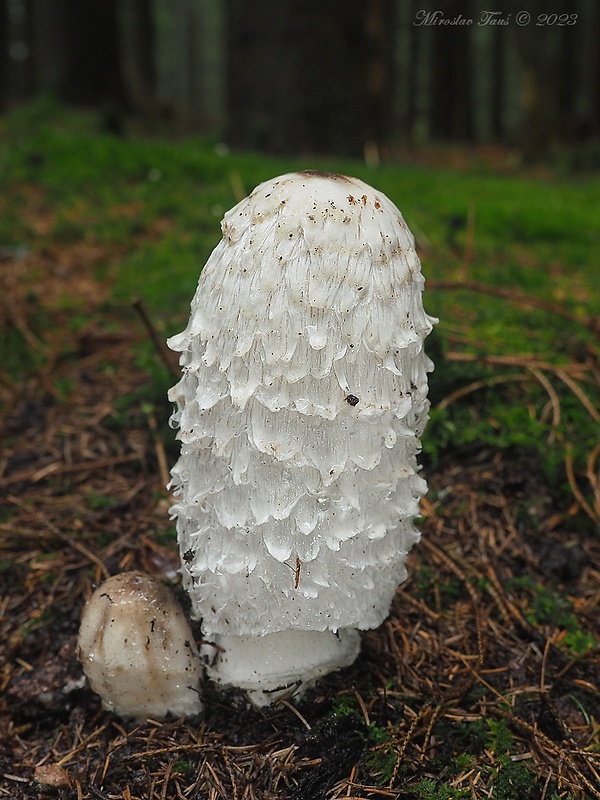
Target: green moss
(427, 581)
(499, 737)
(383, 753)
(550, 607)
(345, 706)
(184, 768)
(167, 538)
(429, 789)
(99, 502)
(515, 780)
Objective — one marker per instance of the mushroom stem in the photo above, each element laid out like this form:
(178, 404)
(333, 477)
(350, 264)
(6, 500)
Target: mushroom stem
(267, 667)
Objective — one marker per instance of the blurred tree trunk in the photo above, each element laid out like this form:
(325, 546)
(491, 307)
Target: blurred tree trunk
(137, 52)
(589, 72)
(539, 56)
(379, 28)
(566, 82)
(412, 104)
(307, 76)
(496, 108)
(190, 61)
(418, 79)
(3, 55)
(48, 45)
(403, 45)
(93, 74)
(17, 58)
(451, 106)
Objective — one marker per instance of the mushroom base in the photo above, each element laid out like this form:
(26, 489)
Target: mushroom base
(281, 664)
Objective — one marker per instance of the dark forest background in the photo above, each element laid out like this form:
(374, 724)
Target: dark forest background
(338, 77)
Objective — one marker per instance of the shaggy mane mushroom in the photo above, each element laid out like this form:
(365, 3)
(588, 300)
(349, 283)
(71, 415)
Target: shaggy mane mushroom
(299, 412)
(137, 649)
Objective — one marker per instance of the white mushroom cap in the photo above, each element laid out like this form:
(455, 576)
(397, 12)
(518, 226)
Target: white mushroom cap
(137, 649)
(303, 396)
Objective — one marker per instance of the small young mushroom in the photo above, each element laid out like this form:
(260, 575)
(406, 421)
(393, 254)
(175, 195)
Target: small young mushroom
(303, 397)
(137, 649)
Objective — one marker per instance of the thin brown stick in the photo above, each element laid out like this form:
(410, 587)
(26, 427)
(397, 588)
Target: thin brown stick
(237, 185)
(593, 476)
(536, 368)
(81, 548)
(538, 736)
(58, 468)
(159, 449)
(579, 393)
(593, 515)
(477, 385)
(554, 401)
(295, 711)
(405, 742)
(589, 322)
(159, 345)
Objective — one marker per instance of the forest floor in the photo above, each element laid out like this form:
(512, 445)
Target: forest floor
(483, 682)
